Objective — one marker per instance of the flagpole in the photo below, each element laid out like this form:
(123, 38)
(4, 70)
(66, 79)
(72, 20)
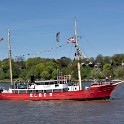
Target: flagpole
(10, 57)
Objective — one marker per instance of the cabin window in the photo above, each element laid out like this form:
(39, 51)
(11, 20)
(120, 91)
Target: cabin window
(61, 82)
(32, 91)
(22, 91)
(52, 83)
(40, 91)
(15, 91)
(47, 91)
(65, 89)
(37, 83)
(57, 90)
(56, 85)
(22, 86)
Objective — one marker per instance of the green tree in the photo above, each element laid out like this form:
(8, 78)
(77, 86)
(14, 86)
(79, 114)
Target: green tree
(33, 61)
(64, 61)
(107, 60)
(85, 72)
(107, 70)
(54, 74)
(99, 59)
(96, 73)
(23, 75)
(117, 59)
(45, 75)
(38, 69)
(119, 72)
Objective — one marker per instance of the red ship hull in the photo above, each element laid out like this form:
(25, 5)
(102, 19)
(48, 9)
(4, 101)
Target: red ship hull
(94, 92)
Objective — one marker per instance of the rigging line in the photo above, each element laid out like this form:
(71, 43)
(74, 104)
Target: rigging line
(57, 44)
(82, 45)
(72, 51)
(45, 51)
(85, 55)
(14, 50)
(87, 41)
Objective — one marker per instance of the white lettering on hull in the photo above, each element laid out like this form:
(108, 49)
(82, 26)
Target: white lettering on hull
(40, 95)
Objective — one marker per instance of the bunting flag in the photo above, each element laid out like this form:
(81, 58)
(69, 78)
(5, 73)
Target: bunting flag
(83, 57)
(44, 51)
(57, 36)
(71, 40)
(1, 39)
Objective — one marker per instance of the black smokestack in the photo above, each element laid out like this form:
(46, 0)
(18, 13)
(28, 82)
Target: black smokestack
(32, 78)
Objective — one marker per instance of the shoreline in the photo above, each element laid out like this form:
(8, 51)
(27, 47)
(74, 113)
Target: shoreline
(84, 80)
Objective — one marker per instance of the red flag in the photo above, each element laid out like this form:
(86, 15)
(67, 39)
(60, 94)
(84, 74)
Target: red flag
(71, 40)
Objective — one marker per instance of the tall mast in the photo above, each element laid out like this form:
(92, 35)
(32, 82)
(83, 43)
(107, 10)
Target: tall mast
(77, 54)
(10, 56)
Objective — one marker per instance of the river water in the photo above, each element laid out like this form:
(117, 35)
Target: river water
(65, 112)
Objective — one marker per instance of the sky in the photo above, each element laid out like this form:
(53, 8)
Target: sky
(33, 26)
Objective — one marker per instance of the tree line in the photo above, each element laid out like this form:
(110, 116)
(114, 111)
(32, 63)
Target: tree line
(46, 68)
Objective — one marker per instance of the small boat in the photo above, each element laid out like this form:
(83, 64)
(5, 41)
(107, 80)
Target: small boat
(60, 89)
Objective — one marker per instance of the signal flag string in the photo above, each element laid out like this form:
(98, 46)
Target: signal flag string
(70, 40)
